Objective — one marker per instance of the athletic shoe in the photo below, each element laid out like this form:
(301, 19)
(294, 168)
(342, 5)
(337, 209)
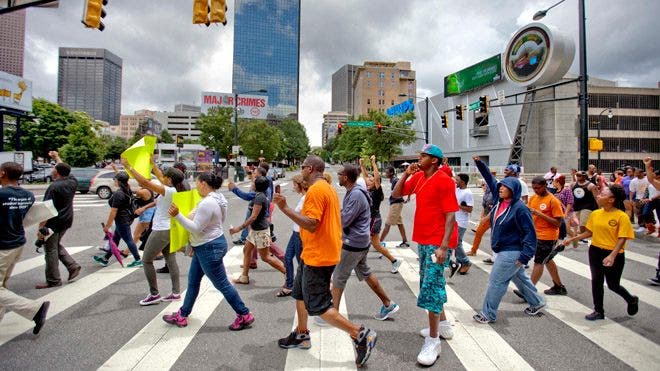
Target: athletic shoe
(633, 306)
(241, 322)
(151, 300)
(296, 340)
(176, 319)
(445, 331)
(100, 261)
(320, 321)
(556, 250)
(586, 242)
(481, 318)
(534, 311)
(164, 269)
(386, 312)
(172, 297)
(404, 244)
(454, 267)
(40, 318)
(489, 261)
(556, 290)
(640, 229)
(239, 242)
(594, 316)
(135, 264)
(364, 344)
(383, 244)
(655, 281)
(395, 266)
(430, 351)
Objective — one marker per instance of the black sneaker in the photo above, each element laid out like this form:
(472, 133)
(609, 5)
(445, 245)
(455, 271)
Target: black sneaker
(556, 250)
(40, 318)
(296, 340)
(454, 267)
(239, 242)
(594, 316)
(489, 261)
(164, 269)
(364, 344)
(633, 306)
(655, 281)
(556, 290)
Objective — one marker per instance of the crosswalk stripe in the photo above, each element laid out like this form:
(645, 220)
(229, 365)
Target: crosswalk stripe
(64, 298)
(641, 258)
(625, 344)
(158, 345)
(29, 264)
(90, 205)
(478, 347)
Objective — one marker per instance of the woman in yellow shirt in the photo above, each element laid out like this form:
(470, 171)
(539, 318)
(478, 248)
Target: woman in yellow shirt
(610, 228)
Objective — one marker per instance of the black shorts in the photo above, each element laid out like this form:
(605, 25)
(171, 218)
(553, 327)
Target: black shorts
(376, 224)
(543, 249)
(312, 285)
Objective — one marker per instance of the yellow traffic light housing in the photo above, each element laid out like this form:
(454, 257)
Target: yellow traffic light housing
(459, 112)
(444, 120)
(93, 12)
(218, 12)
(201, 12)
(595, 145)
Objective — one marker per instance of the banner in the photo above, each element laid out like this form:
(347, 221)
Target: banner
(483, 73)
(139, 155)
(249, 106)
(15, 92)
(185, 201)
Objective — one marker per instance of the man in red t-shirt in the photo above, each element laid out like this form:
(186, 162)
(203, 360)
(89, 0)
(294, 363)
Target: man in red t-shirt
(434, 231)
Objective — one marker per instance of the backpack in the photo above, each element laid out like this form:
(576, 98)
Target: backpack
(132, 205)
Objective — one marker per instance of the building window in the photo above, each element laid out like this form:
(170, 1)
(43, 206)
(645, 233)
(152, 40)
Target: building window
(381, 93)
(392, 76)
(381, 84)
(368, 74)
(382, 75)
(368, 101)
(368, 84)
(392, 101)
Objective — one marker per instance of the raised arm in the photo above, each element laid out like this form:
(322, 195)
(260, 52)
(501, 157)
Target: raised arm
(650, 174)
(376, 172)
(488, 177)
(156, 170)
(363, 170)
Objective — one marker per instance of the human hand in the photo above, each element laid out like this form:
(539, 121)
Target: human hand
(231, 186)
(106, 229)
(173, 210)
(608, 261)
(234, 230)
(361, 162)
(476, 158)
(124, 162)
(647, 161)
(412, 168)
(372, 158)
(279, 200)
(53, 154)
(440, 254)
(139, 211)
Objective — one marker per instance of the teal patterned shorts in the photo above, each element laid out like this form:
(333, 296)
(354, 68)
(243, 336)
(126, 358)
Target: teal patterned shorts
(432, 294)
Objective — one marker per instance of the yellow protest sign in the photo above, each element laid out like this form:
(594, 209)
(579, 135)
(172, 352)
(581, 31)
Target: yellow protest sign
(139, 155)
(185, 201)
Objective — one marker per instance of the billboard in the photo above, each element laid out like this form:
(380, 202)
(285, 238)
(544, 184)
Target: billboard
(483, 73)
(401, 108)
(249, 106)
(15, 92)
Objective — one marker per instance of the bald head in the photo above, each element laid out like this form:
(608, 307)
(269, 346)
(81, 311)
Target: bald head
(316, 163)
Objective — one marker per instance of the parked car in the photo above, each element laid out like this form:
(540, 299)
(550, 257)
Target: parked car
(103, 184)
(84, 176)
(40, 173)
(278, 172)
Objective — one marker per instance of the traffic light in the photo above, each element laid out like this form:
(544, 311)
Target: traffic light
(218, 11)
(339, 127)
(93, 12)
(459, 112)
(379, 128)
(179, 141)
(483, 104)
(201, 12)
(444, 120)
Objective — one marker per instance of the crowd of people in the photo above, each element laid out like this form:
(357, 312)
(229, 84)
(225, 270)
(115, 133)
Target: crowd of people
(329, 239)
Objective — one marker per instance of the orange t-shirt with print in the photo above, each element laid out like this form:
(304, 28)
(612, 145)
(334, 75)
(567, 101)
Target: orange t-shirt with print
(321, 248)
(550, 206)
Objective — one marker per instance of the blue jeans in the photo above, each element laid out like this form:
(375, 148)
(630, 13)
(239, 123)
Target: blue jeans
(504, 271)
(207, 260)
(123, 231)
(293, 249)
(461, 257)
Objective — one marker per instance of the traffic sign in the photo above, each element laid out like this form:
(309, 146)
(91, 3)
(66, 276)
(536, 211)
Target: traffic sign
(474, 106)
(235, 149)
(360, 124)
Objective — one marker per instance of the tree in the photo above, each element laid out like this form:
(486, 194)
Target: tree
(114, 146)
(217, 130)
(83, 148)
(295, 140)
(256, 136)
(48, 131)
(166, 137)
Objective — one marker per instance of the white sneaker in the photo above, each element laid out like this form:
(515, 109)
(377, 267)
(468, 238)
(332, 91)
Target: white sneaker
(320, 322)
(445, 331)
(430, 351)
(640, 229)
(395, 266)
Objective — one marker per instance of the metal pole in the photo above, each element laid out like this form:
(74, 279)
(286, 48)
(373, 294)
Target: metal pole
(2, 132)
(598, 166)
(426, 131)
(235, 136)
(18, 133)
(584, 112)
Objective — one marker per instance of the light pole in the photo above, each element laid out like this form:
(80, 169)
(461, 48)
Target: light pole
(584, 111)
(426, 125)
(236, 124)
(609, 116)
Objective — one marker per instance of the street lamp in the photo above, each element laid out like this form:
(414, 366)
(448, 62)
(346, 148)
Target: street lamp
(584, 112)
(426, 101)
(236, 123)
(609, 116)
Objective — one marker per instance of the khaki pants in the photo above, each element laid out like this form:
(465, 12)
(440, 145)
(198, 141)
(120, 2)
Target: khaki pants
(8, 300)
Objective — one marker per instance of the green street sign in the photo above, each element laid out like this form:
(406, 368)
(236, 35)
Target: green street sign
(474, 106)
(362, 124)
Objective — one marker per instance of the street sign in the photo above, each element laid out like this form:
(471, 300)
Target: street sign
(235, 149)
(500, 97)
(474, 106)
(360, 124)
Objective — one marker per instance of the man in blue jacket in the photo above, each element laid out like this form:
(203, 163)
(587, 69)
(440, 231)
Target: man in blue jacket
(513, 237)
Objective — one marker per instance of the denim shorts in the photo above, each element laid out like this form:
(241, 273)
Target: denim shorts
(432, 294)
(147, 215)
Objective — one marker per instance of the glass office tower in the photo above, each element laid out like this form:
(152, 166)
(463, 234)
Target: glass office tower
(267, 53)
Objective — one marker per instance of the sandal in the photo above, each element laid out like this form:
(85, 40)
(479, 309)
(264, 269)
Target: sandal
(243, 280)
(284, 293)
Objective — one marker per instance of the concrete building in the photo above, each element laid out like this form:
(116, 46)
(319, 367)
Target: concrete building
(12, 42)
(381, 85)
(128, 124)
(342, 89)
(181, 121)
(330, 122)
(89, 80)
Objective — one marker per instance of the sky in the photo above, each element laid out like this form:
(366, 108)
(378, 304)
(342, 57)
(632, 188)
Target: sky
(167, 60)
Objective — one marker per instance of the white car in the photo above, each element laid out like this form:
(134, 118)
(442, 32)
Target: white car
(103, 184)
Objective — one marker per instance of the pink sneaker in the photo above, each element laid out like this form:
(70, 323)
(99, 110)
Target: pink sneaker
(241, 322)
(172, 297)
(176, 319)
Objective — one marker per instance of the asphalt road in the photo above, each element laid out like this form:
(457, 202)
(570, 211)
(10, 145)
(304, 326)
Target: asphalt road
(96, 321)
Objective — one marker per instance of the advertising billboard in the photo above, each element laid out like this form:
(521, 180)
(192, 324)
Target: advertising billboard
(249, 106)
(15, 92)
(483, 73)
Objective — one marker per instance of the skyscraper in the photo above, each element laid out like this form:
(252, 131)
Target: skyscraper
(12, 42)
(267, 52)
(378, 86)
(342, 88)
(89, 80)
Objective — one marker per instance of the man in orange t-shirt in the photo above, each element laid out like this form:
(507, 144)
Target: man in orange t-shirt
(547, 212)
(320, 232)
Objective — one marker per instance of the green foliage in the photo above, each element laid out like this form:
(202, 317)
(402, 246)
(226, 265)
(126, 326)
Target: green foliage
(295, 140)
(137, 135)
(256, 135)
(166, 137)
(84, 148)
(49, 131)
(217, 130)
(114, 146)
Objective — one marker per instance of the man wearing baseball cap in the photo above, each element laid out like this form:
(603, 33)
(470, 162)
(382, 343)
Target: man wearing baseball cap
(514, 171)
(435, 232)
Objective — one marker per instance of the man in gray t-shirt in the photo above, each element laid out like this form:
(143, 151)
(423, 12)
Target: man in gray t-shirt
(355, 222)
